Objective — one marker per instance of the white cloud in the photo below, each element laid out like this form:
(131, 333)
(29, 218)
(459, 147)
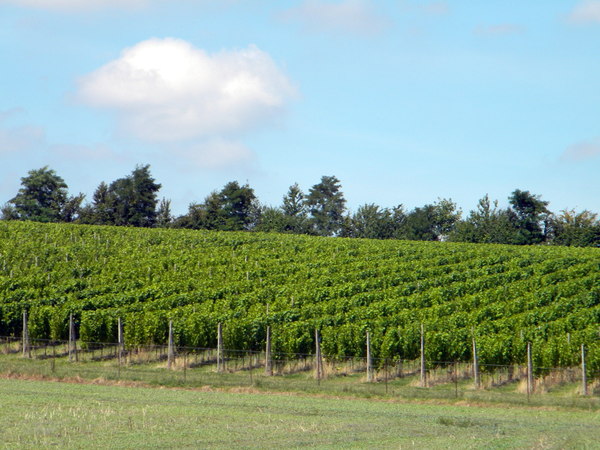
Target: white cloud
(353, 16)
(18, 138)
(86, 153)
(587, 11)
(436, 8)
(499, 29)
(582, 151)
(166, 90)
(76, 5)
(216, 154)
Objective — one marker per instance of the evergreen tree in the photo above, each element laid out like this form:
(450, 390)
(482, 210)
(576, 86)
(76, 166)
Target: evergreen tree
(128, 201)
(294, 210)
(163, 215)
(326, 204)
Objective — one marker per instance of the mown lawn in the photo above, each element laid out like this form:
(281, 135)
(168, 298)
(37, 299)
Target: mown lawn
(44, 413)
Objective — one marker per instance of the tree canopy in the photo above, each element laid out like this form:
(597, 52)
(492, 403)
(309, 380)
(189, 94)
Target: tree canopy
(132, 201)
(326, 204)
(43, 197)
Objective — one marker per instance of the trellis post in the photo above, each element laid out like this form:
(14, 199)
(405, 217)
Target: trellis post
(26, 346)
(476, 364)
(423, 375)
(268, 360)
(220, 359)
(318, 356)
(72, 342)
(529, 370)
(120, 343)
(584, 387)
(369, 360)
(170, 349)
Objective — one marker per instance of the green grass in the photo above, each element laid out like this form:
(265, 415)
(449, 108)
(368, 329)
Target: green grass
(42, 414)
(351, 385)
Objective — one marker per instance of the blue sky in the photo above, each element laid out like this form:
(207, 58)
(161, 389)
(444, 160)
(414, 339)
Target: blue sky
(403, 101)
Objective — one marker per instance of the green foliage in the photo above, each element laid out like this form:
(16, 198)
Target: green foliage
(43, 197)
(528, 213)
(507, 295)
(431, 222)
(326, 204)
(128, 201)
(576, 229)
(234, 208)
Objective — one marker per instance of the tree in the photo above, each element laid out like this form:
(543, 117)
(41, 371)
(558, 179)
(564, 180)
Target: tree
(431, 222)
(486, 224)
(163, 215)
(371, 222)
(273, 220)
(42, 198)
(238, 203)
(103, 206)
(326, 204)
(576, 229)
(234, 208)
(128, 201)
(447, 214)
(71, 210)
(293, 202)
(420, 224)
(528, 214)
(8, 212)
(295, 211)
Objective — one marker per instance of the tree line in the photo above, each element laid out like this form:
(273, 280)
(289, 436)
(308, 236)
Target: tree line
(133, 201)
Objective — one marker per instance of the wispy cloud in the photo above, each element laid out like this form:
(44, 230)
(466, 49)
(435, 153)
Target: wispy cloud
(77, 5)
(436, 8)
(587, 11)
(86, 153)
(582, 151)
(18, 138)
(30, 141)
(502, 29)
(348, 16)
(215, 154)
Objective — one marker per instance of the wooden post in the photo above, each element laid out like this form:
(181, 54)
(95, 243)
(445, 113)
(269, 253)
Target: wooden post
(120, 343)
(268, 360)
(529, 370)
(387, 374)
(170, 349)
(369, 360)
(26, 346)
(423, 375)
(584, 387)
(476, 364)
(72, 345)
(319, 360)
(185, 367)
(455, 379)
(220, 359)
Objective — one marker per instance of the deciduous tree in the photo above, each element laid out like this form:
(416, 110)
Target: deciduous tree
(43, 197)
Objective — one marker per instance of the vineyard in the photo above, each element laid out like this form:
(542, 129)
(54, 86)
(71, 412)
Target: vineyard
(505, 296)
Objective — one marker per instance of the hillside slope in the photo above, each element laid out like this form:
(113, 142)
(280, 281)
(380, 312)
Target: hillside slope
(507, 295)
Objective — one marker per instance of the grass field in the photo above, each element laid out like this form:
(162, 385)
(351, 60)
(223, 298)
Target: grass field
(351, 384)
(43, 413)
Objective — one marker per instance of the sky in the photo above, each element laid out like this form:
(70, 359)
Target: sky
(404, 101)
